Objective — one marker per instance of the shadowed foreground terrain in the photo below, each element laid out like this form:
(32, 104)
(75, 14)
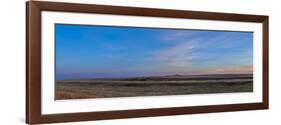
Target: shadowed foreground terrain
(153, 86)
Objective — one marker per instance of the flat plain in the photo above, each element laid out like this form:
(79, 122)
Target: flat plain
(153, 86)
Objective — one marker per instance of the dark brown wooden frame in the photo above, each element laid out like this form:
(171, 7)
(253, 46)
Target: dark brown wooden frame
(33, 61)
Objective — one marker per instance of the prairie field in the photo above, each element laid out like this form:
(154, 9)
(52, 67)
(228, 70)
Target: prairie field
(153, 86)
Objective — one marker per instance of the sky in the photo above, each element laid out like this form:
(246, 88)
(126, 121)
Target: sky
(88, 51)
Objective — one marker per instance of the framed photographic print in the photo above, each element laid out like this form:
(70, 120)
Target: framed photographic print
(94, 62)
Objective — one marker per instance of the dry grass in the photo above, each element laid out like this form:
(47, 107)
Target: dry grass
(66, 94)
(153, 86)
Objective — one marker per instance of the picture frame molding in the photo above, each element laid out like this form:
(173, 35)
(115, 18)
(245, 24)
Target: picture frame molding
(33, 61)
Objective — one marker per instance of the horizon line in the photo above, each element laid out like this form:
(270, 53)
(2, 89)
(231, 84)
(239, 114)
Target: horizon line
(199, 74)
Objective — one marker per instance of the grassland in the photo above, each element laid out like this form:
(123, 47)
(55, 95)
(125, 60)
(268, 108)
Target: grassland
(153, 86)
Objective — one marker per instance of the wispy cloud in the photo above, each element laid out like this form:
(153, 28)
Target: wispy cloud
(178, 56)
(190, 54)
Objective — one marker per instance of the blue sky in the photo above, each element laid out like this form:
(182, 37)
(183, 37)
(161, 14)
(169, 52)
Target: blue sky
(102, 51)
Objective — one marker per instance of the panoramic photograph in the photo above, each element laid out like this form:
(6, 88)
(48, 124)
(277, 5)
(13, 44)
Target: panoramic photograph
(94, 61)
